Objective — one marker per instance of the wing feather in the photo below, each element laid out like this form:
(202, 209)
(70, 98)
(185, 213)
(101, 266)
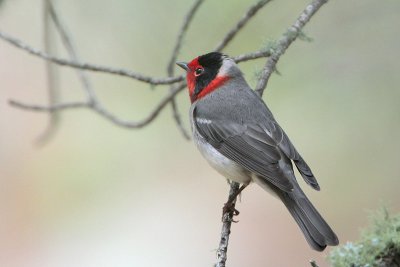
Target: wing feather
(247, 145)
(286, 146)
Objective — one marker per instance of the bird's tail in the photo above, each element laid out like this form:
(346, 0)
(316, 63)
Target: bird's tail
(315, 229)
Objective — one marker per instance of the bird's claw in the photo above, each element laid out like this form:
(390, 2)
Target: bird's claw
(229, 208)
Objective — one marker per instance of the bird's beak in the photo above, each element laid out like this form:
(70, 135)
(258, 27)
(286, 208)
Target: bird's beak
(183, 65)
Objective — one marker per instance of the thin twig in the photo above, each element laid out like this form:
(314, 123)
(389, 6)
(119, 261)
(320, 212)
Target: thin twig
(153, 114)
(52, 81)
(93, 103)
(252, 56)
(103, 112)
(284, 42)
(177, 88)
(178, 119)
(89, 66)
(251, 12)
(186, 22)
(170, 68)
(72, 51)
(227, 219)
(52, 108)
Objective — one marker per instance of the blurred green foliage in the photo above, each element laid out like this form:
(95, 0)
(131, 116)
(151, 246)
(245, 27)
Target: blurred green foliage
(379, 244)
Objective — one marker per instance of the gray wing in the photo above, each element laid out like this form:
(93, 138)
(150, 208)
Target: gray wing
(290, 151)
(263, 134)
(247, 145)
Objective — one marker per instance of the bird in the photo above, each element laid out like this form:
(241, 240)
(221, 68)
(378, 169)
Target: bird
(237, 134)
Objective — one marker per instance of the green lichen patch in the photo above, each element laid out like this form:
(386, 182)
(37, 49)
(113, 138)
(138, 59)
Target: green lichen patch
(379, 245)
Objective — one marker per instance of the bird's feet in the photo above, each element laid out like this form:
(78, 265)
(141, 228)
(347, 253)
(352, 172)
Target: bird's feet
(229, 207)
(228, 211)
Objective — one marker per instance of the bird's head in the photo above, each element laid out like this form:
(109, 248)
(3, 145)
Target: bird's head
(207, 73)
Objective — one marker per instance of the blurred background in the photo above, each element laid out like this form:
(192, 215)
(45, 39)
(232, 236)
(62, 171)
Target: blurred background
(98, 195)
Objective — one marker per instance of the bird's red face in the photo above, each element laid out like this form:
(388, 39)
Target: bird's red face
(202, 74)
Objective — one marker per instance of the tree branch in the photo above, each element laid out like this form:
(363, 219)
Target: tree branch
(147, 120)
(284, 42)
(170, 68)
(103, 112)
(88, 66)
(52, 108)
(227, 219)
(252, 56)
(185, 25)
(251, 12)
(139, 124)
(72, 51)
(52, 81)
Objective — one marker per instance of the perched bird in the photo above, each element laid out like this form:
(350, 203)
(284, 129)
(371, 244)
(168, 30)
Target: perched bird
(239, 137)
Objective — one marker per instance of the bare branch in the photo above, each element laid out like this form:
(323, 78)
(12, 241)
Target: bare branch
(178, 119)
(139, 124)
(72, 51)
(102, 111)
(52, 81)
(170, 68)
(176, 89)
(284, 42)
(52, 108)
(227, 219)
(89, 66)
(186, 22)
(252, 56)
(251, 12)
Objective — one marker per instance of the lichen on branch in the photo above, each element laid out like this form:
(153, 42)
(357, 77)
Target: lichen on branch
(378, 246)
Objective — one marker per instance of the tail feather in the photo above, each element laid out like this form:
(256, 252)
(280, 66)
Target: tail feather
(315, 229)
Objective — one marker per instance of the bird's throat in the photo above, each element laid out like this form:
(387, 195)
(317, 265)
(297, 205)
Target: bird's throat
(216, 83)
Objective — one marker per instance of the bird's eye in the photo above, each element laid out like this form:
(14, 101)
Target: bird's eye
(198, 71)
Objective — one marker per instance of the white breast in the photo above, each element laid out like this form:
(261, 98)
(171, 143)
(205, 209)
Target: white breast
(228, 168)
